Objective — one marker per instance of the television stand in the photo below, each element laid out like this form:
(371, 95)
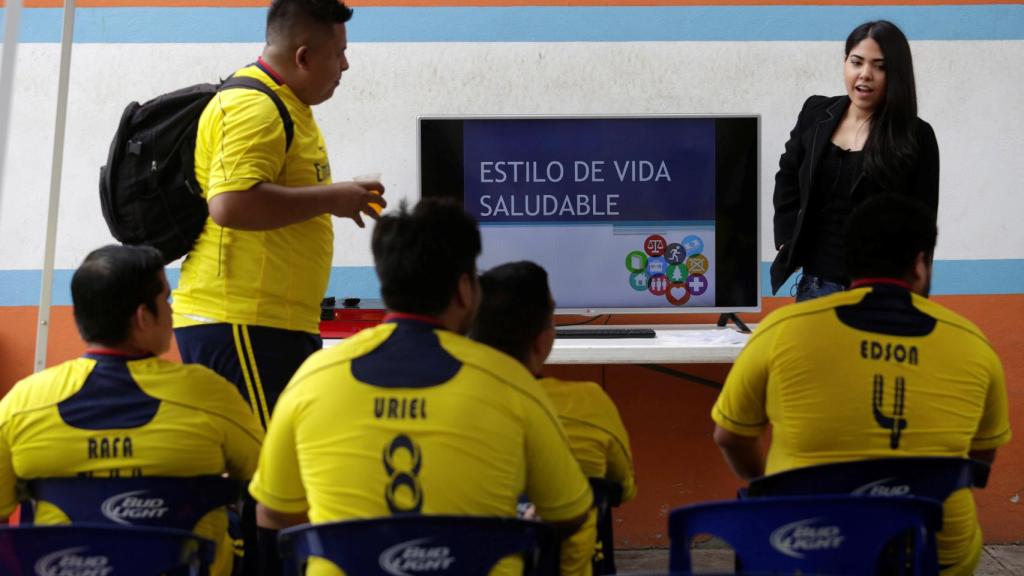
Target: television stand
(724, 319)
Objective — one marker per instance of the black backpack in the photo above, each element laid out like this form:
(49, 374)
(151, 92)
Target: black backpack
(148, 188)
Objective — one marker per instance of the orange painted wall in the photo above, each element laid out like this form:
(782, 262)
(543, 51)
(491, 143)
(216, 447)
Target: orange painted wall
(668, 417)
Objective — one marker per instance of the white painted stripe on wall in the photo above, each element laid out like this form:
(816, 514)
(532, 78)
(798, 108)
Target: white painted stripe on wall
(968, 90)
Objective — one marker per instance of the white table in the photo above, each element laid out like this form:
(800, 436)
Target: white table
(673, 344)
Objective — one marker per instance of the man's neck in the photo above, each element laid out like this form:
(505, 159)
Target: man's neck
(860, 282)
(277, 61)
(122, 349)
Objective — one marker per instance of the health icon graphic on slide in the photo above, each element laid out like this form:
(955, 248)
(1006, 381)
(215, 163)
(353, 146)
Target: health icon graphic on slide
(675, 254)
(677, 294)
(638, 281)
(697, 284)
(693, 244)
(655, 245)
(697, 264)
(659, 285)
(657, 265)
(636, 261)
(675, 271)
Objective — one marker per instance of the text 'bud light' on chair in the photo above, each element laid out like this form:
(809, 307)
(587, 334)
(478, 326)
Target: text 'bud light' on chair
(102, 550)
(158, 501)
(927, 477)
(837, 535)
(413, 544)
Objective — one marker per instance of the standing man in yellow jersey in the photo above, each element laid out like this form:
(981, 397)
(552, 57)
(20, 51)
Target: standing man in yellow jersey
(411, 416)
(248, 301)
(120, 410)
(874, 372)
(516, 316)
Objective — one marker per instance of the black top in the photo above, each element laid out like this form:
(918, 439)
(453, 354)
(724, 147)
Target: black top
(831, 206)
(800, 173)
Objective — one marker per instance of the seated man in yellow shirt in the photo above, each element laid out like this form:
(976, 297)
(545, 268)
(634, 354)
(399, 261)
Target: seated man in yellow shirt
(463, 428)
(159, 418)
(878, 371)
(516, 316)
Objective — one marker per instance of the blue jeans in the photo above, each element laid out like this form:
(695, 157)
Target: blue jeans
(810, 287)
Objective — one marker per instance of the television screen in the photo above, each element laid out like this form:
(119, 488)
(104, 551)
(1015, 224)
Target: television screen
(627, 214)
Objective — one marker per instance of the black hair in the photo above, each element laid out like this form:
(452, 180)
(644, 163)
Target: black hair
(885, 235)
(108, 288)
(515, 308)
(420, 255)
(285, 15)
(891, 147)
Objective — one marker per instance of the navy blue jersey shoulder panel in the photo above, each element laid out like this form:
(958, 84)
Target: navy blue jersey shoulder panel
(887, 310)
(110, 398)
(411, 357)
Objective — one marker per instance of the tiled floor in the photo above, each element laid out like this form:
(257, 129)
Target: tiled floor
(996, 561)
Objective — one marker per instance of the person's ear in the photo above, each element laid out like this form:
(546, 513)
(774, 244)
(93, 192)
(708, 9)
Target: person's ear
(463, 293)
(542, 345)
(922, 272)
(302, 56)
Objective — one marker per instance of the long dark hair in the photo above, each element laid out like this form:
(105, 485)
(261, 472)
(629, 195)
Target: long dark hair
(891, 148)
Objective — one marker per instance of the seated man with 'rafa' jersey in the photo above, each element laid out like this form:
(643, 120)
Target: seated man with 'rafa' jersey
(119, 410)
(470, 426)
(878, 371)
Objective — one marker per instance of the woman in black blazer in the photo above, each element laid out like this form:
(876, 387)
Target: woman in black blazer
(845, 149)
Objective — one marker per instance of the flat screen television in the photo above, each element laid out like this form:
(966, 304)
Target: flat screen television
(637, 214)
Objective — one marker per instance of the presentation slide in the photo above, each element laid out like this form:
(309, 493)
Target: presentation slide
(621, 212)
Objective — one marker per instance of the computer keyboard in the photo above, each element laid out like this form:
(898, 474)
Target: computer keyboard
(604, 332)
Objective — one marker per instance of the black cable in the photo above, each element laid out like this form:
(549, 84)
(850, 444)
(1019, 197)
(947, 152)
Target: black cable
(588, 321)
(682, 375)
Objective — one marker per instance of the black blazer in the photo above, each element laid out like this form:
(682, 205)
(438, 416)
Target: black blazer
(795, 179)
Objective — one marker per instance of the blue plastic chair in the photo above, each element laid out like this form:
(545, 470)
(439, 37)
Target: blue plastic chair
(155, 501)
(452, 545)
(35, 550)
(836, 535)
(927, 477)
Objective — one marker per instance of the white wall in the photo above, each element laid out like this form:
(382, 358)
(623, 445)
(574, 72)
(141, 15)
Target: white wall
(970, 91)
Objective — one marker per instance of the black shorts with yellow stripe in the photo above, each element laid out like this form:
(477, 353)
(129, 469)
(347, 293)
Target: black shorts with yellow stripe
(259, 360)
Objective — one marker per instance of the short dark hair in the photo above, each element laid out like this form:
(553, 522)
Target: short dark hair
(516, 307)
(110, 285)
(885, 235)
(420, 255)
(284, 15)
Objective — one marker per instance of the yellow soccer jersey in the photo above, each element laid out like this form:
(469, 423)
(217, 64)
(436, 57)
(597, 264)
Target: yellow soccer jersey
(871, 373)
(599, 442)
(273, 278)
(110, 415)
(597, 437)
(407, 417)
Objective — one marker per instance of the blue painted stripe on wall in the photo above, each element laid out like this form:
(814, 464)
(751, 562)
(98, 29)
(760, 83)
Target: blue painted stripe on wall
(539, 23)
(950, 277)
(971, 277)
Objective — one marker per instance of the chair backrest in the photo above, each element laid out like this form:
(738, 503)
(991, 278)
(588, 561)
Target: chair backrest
(928, 477)
(607, 495)
(102, 551)
(835, 535)
(412, 545)
(156, 501)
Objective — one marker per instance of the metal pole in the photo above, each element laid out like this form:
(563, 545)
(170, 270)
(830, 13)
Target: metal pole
(12, 25)
(46, 292)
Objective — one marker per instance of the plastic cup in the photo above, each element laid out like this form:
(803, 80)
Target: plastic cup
(366, 178)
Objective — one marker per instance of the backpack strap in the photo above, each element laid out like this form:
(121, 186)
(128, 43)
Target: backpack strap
(254, 84)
